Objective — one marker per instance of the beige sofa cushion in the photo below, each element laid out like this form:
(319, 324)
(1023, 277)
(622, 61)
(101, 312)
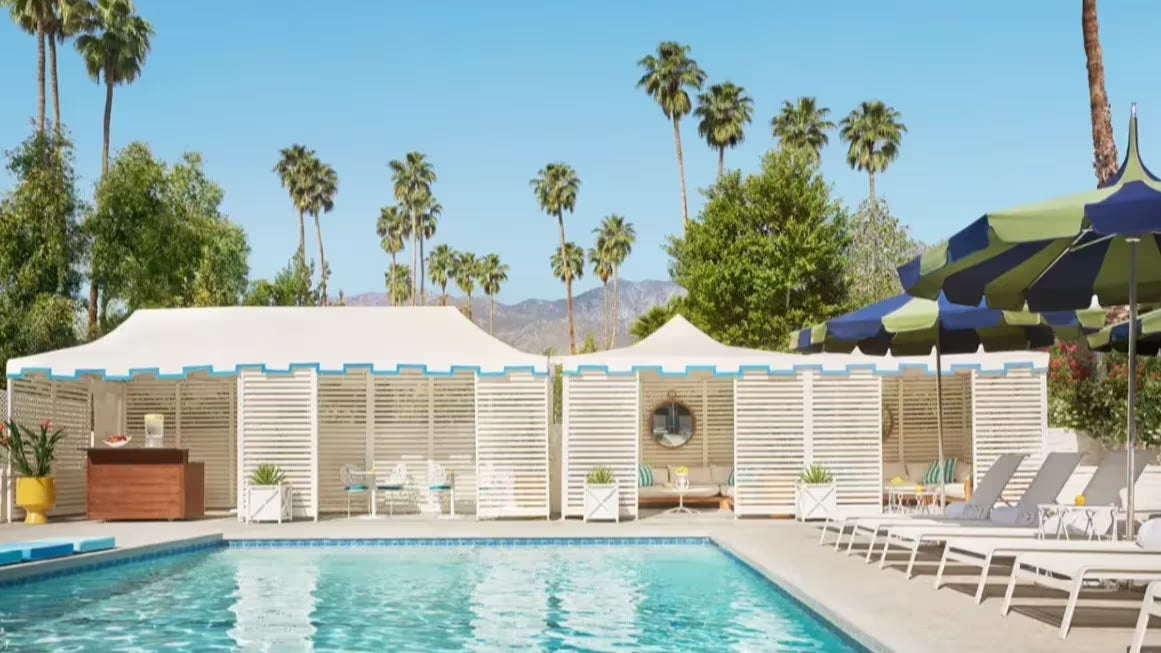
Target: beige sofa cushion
(916, 471)
(697, 475)
(963, 471)
(661, 476)
(720, 474)
(954, 491)
(891, 470)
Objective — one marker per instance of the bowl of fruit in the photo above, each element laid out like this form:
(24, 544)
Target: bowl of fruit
(117, 440)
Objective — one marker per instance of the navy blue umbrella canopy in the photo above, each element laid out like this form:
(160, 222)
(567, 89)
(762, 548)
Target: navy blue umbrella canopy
(908, 326)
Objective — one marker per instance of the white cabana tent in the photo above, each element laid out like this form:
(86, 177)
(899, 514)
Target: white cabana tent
(767, 415)
(310, 389)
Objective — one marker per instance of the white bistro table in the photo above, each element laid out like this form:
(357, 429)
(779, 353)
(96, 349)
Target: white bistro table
(682, 486)
(926, 502)
(1084, 516)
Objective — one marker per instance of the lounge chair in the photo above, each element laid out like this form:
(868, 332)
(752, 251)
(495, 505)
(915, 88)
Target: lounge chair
(1149, 608)
(1069, 572)
(985, 496)
(1014, 521)
(982, 551)
(1105, 485)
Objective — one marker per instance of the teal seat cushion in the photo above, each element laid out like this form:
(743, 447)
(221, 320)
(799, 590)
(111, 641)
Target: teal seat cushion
(83, 544)
(10, 557)
(30, 551)
(439, 487)
(356, 488)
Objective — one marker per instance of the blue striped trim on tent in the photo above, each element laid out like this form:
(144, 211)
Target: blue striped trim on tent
(805, 367)
(273, 371)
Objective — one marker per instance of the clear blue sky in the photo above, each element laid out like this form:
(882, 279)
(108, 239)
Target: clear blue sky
(993, 93)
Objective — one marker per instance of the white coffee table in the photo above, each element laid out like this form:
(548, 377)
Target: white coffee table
(926, 502)
(681, 488)
(1086, 516)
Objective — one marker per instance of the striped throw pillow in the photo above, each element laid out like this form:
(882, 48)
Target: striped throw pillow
(645, 476)
(933, 475)
(949, 470)
(731, 481)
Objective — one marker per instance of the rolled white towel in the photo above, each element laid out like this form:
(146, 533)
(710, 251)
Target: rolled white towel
(1149, 535)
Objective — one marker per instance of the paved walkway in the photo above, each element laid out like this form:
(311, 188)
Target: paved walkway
(896, 614)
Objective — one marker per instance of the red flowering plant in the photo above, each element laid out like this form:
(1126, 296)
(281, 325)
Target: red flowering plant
(29, 452)
(1089, 393)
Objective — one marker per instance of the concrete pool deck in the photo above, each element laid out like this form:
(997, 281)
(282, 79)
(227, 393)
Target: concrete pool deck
(886, 611)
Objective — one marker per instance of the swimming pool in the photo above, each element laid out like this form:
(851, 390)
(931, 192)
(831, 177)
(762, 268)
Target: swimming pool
(688, 596)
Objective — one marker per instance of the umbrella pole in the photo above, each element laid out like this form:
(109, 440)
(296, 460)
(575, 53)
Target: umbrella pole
(939, 409)
(1132, 425)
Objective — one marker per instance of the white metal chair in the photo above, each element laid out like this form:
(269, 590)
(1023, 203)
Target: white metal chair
(354, 479)
(395, 485)
(440, 481)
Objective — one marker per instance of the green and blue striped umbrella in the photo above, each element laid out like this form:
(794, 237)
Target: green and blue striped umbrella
(1116, 337)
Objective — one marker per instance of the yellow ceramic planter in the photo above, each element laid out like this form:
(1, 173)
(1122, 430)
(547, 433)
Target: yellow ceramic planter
(37, 496)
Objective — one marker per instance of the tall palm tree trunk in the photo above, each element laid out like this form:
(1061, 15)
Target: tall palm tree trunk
(871, 176)
(443, 294)
(605, 311)
(302, 235)
(1103, 145)
(40, 79)
(414, 260)
(422, 272)
(322, 261)
(491, 315)
(567, 285)
(616, 297)
(721, 162)
(55, 86)
(108, 126)
(391, 282)
(469, 306)
(680, 173)
(93, 297)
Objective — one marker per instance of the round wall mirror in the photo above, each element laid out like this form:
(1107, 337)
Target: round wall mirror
(672, 423)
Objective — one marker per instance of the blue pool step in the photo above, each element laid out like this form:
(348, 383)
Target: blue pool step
(57, 547)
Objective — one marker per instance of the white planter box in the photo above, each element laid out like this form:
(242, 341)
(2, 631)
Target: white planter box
(602, 503)
(268, 503)
(815, 501)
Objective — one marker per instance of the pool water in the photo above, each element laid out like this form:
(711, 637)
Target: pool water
(664, 597)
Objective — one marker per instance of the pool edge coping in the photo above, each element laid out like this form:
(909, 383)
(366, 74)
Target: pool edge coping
(47, 569)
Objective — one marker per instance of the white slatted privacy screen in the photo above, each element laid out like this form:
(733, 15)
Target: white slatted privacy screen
(769, 442)
(1010, 415)
(599, 415)
(512, 414)
(909, 407)
(845, 434)
(278, 424)
(67, 405)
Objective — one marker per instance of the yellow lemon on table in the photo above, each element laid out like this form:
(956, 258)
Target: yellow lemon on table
(897, 481)
(918, 488)
(1080, 500)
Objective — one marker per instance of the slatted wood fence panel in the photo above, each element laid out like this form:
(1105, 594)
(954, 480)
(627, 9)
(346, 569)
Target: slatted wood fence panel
(769, 444)
(278, 424)
(1009, 416)
(67, 405)
(145, 395)
(847, 434)
(342, 433)
(911, 402)
(206, 424)
(600, 429)
(709, 399)
(512, 414)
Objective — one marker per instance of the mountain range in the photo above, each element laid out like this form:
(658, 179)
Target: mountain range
(534, 325)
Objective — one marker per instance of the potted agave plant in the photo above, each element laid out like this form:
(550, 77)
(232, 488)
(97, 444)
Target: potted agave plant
(268, 495)
(32, 454)
(815, 495)
(602, 495)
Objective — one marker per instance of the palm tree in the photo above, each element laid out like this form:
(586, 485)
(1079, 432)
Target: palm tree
(440, 263)
(322, 184)
(392, 228)
(667, 76)
(398, 280)
(69, 18)
(412, 179)
(556, 187)
(571, 265)
(618, 235)
(36, 18)
(291, 164)
(724, 111)
(599, 258)
(114, 50)
(465, 270)
(493, 273)
(803, 126)
(427, 213)
(874, 132)
(1104, 147)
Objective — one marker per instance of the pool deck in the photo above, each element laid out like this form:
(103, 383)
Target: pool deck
(890, 612)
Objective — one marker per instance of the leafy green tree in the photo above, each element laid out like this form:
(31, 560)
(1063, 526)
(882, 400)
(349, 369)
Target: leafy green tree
(222, 272)
(466, 271)
(873, 131)
(290, 170)
(114, 48)
(398, 284)
(669, 76)
(392, 228)
(322, 184)
(724, 111)
(291, 287)
(493, 274)
(655, 318)
(879, 244)
(803, 126)
(412, 178)
(40, 249)
(556, 187)
(766, 256)
(440, 263)
(618, 235)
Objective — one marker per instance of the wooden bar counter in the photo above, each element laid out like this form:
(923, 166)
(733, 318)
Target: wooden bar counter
(144, 484)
